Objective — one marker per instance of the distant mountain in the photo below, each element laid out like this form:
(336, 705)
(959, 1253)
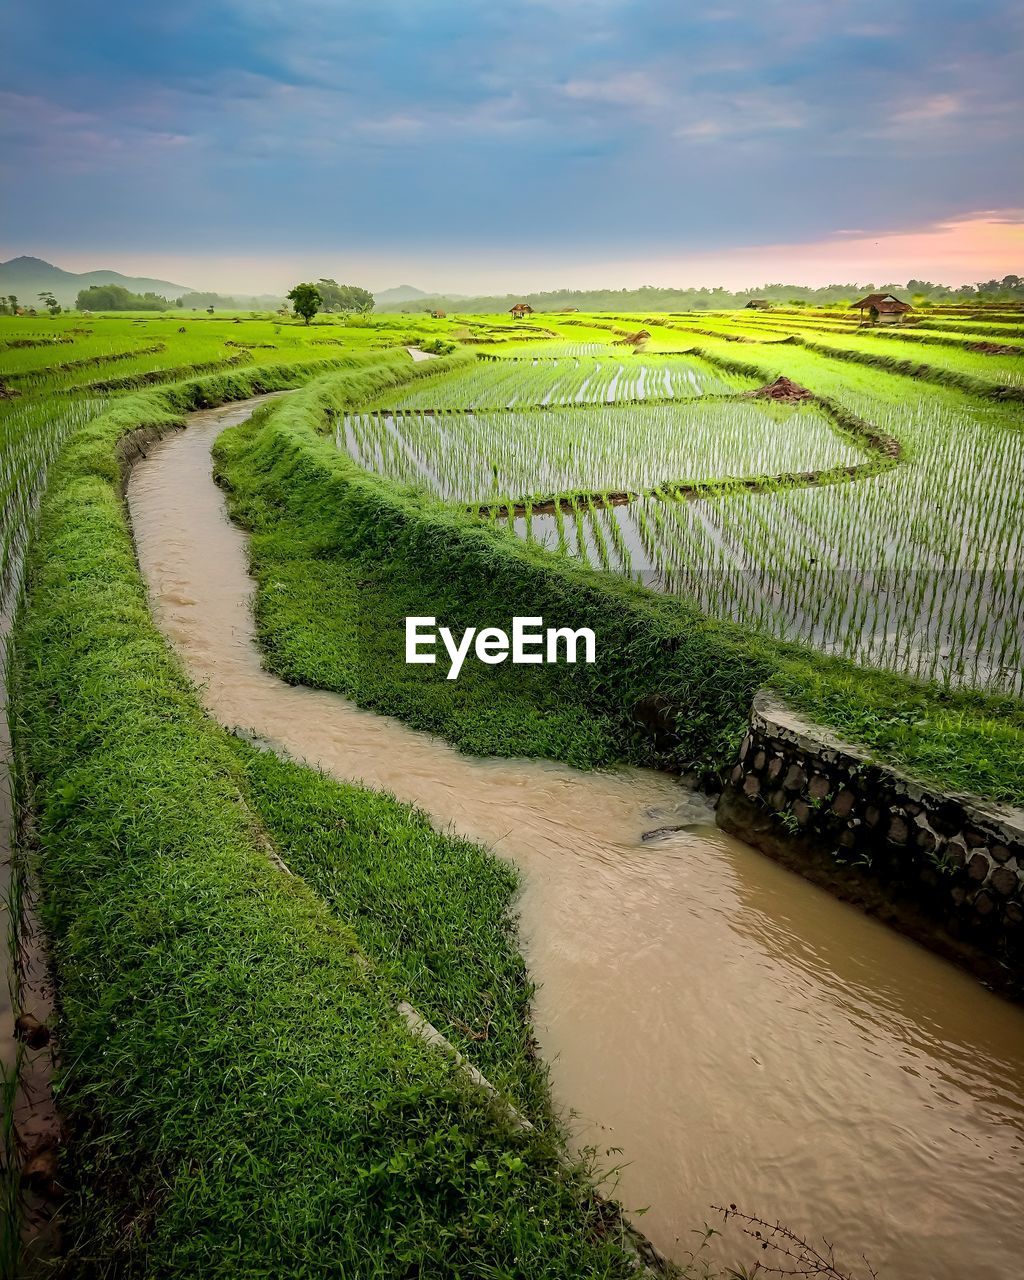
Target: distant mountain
(28, 277)
(401, 293)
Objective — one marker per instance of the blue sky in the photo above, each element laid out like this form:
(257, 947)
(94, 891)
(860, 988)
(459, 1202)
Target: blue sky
(478, 144)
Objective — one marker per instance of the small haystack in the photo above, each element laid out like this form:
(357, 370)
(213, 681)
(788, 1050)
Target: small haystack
(782, 389)
(758, 304)
(633, 339)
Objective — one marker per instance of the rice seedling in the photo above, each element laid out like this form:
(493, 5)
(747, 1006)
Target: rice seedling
(917, 569)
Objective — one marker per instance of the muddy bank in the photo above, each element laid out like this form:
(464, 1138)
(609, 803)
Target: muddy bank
(713, 1017)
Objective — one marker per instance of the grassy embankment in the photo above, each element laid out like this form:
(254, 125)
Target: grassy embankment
(342, 557)
(242, 1097)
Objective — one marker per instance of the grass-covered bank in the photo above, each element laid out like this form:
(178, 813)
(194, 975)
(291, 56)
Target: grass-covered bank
(434, 914)
(342, 557)
(242, 1098)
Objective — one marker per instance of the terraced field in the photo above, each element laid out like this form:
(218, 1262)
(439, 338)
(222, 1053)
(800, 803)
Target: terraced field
(915, 567)
(56, 374)
(786, 474)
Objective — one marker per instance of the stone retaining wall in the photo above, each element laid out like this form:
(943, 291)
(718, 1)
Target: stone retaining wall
(948, 869)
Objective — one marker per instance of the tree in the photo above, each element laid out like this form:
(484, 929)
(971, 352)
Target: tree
(12, 302)
(50, 303)
(114, 297)
(306, 300)
(343, 297)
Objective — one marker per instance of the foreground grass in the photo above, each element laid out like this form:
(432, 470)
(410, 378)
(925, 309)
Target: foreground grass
(433, 913)
(341, 557)
(241, 1096)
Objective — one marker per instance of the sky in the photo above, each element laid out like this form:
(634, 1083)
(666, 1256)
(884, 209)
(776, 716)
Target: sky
(480, 146)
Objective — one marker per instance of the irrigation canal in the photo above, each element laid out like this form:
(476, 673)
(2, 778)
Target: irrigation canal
(736, 1033)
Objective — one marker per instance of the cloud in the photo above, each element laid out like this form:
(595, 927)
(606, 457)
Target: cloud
(638, 89)
(406, 125)
(937, 106)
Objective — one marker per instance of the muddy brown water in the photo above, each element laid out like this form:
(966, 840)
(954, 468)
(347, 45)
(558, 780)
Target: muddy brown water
(735, 1032)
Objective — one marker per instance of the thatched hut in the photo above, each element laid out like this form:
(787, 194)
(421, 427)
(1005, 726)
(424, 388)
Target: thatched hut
(439, 315)
(520, 310)
(758, 304)
(881, 308)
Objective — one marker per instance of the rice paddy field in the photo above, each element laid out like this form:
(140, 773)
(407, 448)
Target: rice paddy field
(574, 437)
(916, 567)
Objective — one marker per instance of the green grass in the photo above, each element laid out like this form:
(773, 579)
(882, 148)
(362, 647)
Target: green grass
(341, 556)
(242, 1098)
(433, 913)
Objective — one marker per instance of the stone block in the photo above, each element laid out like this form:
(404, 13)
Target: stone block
(978, 867)
(955, 853)
(984, 903)
(795, 779)
(842, 805)
(898, 832)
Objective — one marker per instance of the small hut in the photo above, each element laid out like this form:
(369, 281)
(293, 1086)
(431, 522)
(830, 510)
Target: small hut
(759, 304)
(520, 310)
(439, 315)
(565, 311)
(881, 308)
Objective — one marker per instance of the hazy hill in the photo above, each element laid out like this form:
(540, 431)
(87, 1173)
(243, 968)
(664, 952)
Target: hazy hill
(401, 293)
(28, 277)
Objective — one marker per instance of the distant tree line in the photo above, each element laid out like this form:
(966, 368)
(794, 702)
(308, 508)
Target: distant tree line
(652, 298)
(10, 306)
(195, 301)
(115, 297)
